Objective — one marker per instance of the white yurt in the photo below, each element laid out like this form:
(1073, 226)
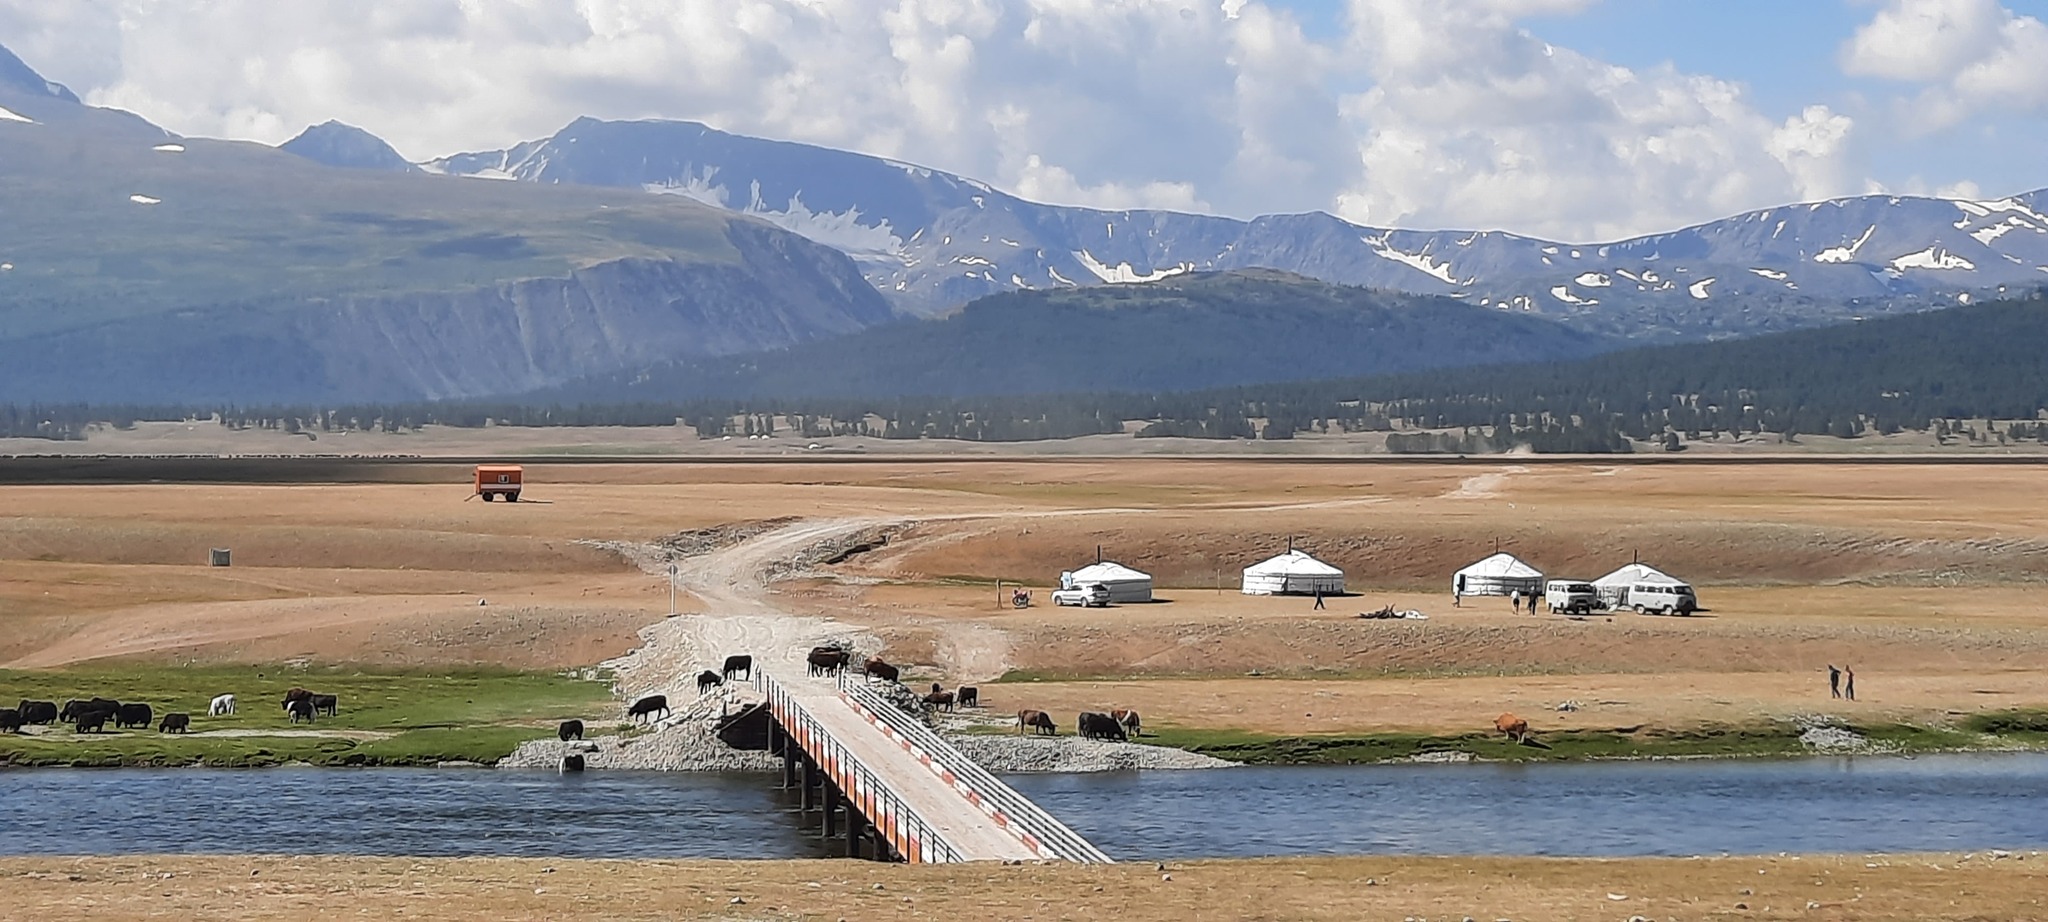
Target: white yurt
(1500, 574)
(1124, 583)
(1293, 573)
(1614, 586)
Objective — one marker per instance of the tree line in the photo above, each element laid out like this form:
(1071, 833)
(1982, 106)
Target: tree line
(1950, 372)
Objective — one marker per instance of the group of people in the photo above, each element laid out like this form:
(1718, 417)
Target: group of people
(1842, 682)
(1516, 598)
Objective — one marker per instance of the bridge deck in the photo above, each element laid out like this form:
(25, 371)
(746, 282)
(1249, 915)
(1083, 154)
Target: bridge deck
(960, 823)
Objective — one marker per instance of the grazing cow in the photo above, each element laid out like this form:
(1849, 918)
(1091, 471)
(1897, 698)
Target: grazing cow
(708, 680)
(876, 669)
(648, 706)
(570, 730)
(1129, 719)
(10, 720)
(329, 705)
(90, 720)
(1093, 726)
(301, 709)
(222, 706)
(1039, 721)
(1515, 728)
(734, 665)
(573, 762)
(943, 700)
(132, 715)
(969, 696)
(827, 660)
(175, 723)
(37, 712)
(74, 707)
(295, 694)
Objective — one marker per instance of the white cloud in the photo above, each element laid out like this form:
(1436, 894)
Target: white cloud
(1427, 113)
(1470, 121)
(1967, 56)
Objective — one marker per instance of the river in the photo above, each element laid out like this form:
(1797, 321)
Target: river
(1849, 804)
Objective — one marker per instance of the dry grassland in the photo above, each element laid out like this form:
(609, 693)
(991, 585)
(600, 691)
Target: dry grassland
(1929, 579)
(1925, 887)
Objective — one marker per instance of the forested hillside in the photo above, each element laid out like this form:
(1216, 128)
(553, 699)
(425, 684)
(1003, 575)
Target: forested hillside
(1950, 371)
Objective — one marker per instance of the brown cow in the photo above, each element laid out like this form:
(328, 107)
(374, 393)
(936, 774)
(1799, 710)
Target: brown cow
(970, 697)
(1129, 720)
(1039, 721)
(296, 694)
(943, 700)
(876, 669)
(1514, 727)
(826, 660)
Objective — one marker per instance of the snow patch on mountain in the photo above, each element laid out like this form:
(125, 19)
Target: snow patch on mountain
(1593, 280)
(841, 231)
(1421, 262)
(141, 199)
(169, 148)
(1847, 253)
(9, 115)
(1564, 293)
(1934, 257)
(1699, 289)
(1985, 235)
(1772, 274)
(1123, 274)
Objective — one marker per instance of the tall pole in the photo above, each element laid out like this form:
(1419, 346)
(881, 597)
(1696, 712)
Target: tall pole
(671, 589)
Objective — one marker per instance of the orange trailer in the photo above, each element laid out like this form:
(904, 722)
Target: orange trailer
(495, 480)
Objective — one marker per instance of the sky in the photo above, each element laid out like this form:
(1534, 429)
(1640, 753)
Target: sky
(1581, 120)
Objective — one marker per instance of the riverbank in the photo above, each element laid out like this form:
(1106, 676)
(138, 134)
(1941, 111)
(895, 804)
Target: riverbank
(1983, 885)
(383, 717)
(1987, 731)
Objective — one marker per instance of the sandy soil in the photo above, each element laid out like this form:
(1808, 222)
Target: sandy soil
(254, 888)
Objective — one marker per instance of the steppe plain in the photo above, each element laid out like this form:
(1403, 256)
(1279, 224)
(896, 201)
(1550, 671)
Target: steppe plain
(1927, 578)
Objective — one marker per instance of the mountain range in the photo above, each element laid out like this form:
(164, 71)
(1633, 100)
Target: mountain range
(137, 265)
(1190, 332)
(931, 241)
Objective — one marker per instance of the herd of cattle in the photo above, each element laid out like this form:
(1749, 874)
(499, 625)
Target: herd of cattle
(91, 715)
(1117, 725)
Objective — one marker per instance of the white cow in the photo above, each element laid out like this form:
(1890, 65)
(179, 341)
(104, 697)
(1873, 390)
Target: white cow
(222, 705)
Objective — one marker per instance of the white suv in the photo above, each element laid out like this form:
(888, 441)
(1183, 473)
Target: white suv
(1093, 595)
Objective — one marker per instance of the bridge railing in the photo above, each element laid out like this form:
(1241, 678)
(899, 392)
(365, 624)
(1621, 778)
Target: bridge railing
(914, 838)
(1041, 831)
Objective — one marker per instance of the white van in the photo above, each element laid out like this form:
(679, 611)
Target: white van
(1571, 596)
(1662, 599)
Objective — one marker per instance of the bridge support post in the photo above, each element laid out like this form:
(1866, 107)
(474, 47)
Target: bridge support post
(831, 811)
(810, 783)
(788, 763)
(854, 824)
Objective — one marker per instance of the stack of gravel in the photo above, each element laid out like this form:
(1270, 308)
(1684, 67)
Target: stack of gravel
(1073, 754)
(684, 742)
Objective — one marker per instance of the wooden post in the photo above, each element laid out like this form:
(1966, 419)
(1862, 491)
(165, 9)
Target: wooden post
(788, 763)
(810, 797)
(831, 811)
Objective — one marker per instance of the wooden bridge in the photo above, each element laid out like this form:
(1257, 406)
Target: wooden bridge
(894, 789)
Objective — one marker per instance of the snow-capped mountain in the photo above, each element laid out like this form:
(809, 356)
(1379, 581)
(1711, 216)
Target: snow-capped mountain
(930, 241)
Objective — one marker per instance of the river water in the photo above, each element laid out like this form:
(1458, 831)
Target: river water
(1859, 804)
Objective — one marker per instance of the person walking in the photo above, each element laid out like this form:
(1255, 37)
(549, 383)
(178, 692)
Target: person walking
(1319, 598)
(1849, 688)
(1834, 681)
(1515, 599)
